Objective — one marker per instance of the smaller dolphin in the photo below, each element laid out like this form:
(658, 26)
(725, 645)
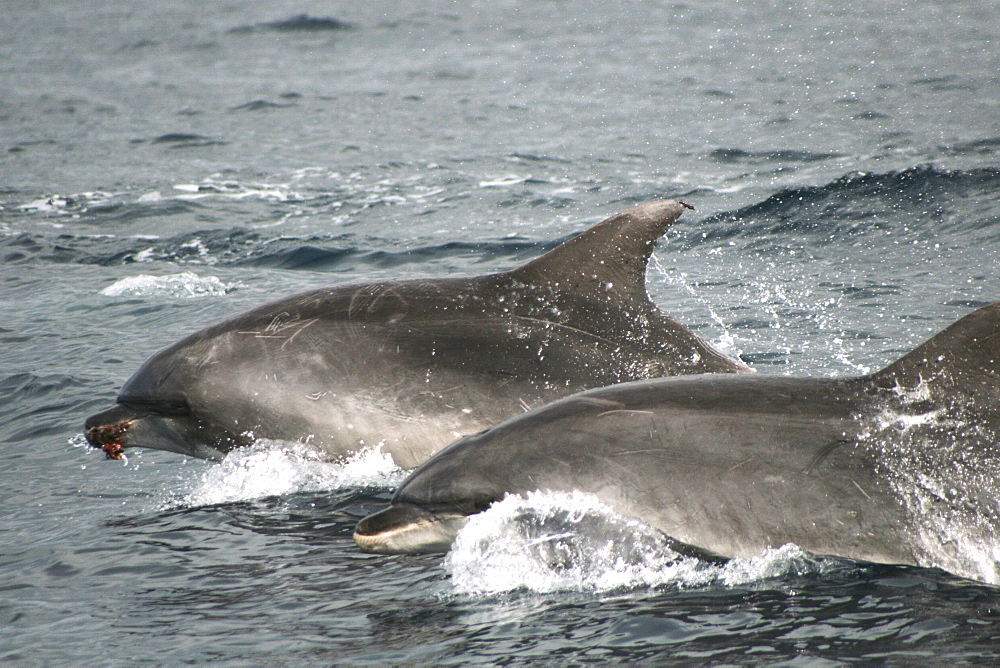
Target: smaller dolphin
(414, 364)
(732, 465)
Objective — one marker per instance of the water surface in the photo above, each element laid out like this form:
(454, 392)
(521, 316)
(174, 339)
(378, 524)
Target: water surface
(165, 165)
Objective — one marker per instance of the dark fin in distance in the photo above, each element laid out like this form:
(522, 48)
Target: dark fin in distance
(609, 260)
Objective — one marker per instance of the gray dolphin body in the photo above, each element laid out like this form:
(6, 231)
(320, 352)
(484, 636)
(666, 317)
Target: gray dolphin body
(731, 465)
(414, 364)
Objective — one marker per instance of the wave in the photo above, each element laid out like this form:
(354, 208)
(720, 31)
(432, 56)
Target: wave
(860, 203)
(116, 208)
(34, 406)
(309, 256)
(986, 146)
(249, 248)
(298, 23)
(924, 201)
(21, 386)
(736, 155)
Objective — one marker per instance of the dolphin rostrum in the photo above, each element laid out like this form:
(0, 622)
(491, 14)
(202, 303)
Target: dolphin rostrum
(414, 364)
(887, 467)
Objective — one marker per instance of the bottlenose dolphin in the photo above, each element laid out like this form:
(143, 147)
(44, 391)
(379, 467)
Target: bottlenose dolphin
(861, 467)
(414, 364)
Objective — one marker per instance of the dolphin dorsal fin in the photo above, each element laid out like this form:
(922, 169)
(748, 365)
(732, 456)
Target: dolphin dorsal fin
(961, 361)
(608, 260)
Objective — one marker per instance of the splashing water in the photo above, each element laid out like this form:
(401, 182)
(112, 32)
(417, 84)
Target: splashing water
(184, 285)
(943, 470)
(273, 468)
(552, 541)
(726, 342)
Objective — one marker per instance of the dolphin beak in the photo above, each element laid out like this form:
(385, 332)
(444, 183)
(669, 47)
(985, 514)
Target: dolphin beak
(108, 430)
(406, 529)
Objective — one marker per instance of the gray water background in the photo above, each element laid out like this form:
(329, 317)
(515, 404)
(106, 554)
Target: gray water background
(843, 161)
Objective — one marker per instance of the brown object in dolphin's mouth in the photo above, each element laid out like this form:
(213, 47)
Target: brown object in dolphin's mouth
(109, 438)
(113, 450)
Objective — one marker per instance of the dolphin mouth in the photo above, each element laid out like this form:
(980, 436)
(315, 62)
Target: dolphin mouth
(124, 426)
(108, 430)
(407, 529)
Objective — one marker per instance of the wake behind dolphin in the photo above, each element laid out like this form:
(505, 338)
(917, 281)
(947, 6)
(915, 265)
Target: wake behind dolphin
(412, 365)
(889, 467)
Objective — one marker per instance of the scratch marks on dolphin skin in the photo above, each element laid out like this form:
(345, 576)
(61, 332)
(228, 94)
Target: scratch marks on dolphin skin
(302, 326)
(367, 299)
(824, 452)
(279, 327)
(740, 464)
(388, 292)
(600, 402)
(861, 489)
(316, 396)
(632, 411)
(550, 323)
(646, 451)
(278, 323)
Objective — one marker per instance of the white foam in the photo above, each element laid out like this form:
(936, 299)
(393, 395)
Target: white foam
(274, 468)
(210, 187)
(551, 541)
(65, 205)
(55, 204)
(504, 181)
(184, 285)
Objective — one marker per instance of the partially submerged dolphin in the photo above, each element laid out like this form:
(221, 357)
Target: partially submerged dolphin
(414, 364)
(871, 467)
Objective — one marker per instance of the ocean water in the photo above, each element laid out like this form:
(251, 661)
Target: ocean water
(164, 165)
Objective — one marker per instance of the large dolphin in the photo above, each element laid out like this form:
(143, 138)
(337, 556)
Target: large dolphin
(861, 467)
(414, 364)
